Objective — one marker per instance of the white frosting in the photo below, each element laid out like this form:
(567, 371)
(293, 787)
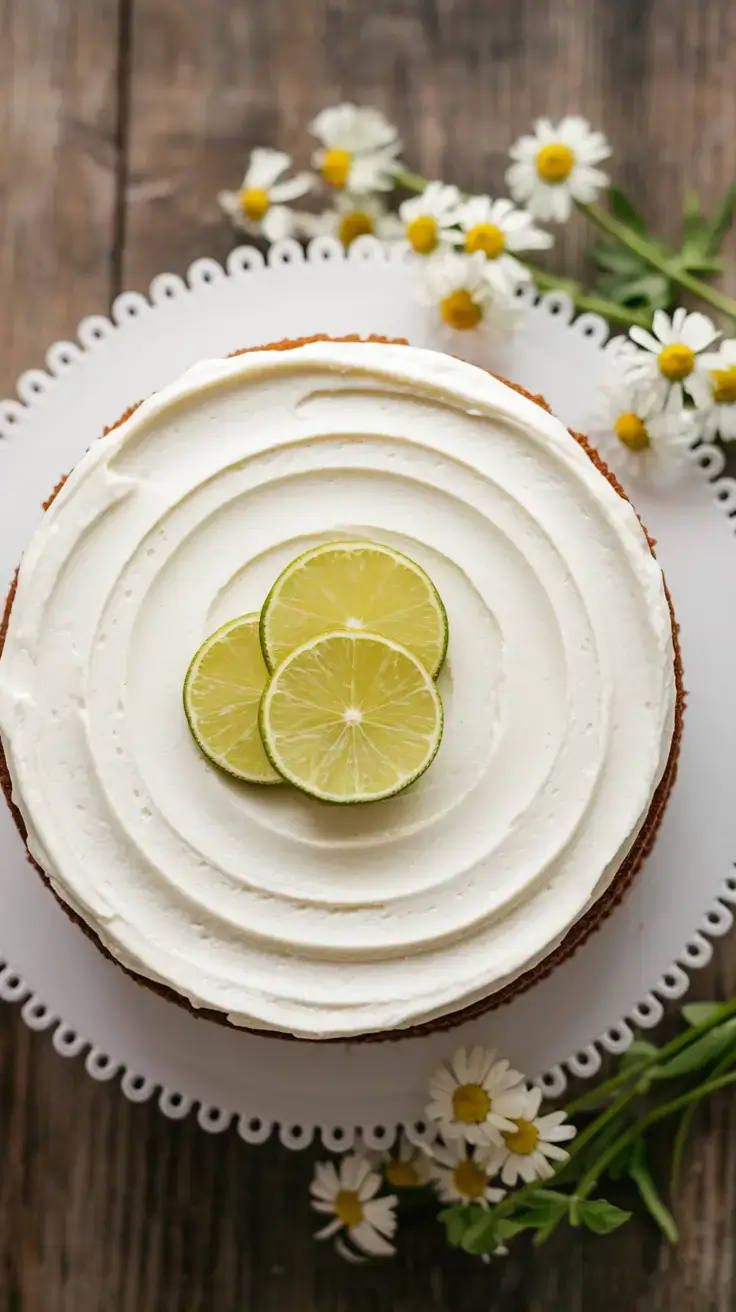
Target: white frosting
(558, 689)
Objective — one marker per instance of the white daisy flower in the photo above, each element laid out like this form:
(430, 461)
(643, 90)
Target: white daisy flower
(529, 1149)
(670, 362)
(641, 442)
(475, 1097)
(556, 166)
(430, 218)
(348, 1193)
(258, 207)
(459, 288)
(462, 1178)
(351, 217)
(500, 231)
(359, 148)
(720, 416)
(404, 1165)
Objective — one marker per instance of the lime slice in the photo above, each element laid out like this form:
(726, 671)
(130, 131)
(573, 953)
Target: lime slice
(351, 717)
(222, 694)
(355, 586)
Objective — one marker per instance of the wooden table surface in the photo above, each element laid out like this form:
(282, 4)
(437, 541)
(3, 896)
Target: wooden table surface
(119, 122)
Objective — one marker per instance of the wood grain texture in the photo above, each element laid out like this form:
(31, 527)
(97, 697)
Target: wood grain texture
(119, 122)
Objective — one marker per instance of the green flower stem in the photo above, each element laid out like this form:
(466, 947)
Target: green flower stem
(411, 181)
(678, 1148)
(595, 1127)
(619, 314)
(663, 1054)
(544, 281)
(636, 1079)
(635, 1132)
(646, 249)
(633, 1078)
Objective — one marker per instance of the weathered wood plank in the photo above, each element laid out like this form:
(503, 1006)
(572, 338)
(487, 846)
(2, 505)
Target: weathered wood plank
(58, 108)
(57, 187)
(58, 113)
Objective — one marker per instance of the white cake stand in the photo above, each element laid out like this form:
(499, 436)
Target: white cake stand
(641, 955)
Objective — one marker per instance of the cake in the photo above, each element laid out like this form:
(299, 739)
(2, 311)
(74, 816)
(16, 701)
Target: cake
(562, 692)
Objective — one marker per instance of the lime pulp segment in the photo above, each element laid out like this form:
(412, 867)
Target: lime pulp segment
(222, 695)
(355, 586)
(351, 717)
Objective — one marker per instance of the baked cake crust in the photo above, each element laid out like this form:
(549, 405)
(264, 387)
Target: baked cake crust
(580, 931)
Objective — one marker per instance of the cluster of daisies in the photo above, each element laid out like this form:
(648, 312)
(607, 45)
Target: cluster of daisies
(667, 388)
(466, 249)
(490, 1136)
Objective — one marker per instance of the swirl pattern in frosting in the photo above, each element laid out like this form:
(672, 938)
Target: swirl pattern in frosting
(559, 690)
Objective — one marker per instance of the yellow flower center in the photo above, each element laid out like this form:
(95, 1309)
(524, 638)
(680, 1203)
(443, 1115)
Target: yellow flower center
(254, 203)
(676, 362)
(524, 1139)
(422, 234)
(631, 431)
(460, 311)
(402, 1175)
(724, 385)
(336, 166)
(355, 224)
(470, 1104)
(485, 237)
(348, 1207)
(555, 162)
(469, 1179)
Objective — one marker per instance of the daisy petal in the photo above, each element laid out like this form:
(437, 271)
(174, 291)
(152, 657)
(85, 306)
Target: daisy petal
(442, 1079)
(645, 339)
(698, 331)
(552, 1150)
(343, 1250)
(460, 1066)
(264, 167)
(292, 188)
(534, 1102)
(277, 223)
(381, 1213)
(678, 323)
(369, 1240)
(329, 1230)
(326, 1181)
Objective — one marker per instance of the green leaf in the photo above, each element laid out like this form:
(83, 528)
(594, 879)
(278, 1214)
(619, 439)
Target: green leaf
(619, 1168)
(652, 290)
(703, 1052)
(638, 1053)
(544, 1232)
(484, 1235)
(683, 1129)
(720, 221)
(693, 262)
(509, 1229)
(678, 1147)
(600, 1144)
(601, 1217)
(457, 1220)
(696, 1013)
(641, 1174)
(481, 1237)
(578, 1164)
(618, 259)
(692, 219)
(542, 1207)
(623, 209)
